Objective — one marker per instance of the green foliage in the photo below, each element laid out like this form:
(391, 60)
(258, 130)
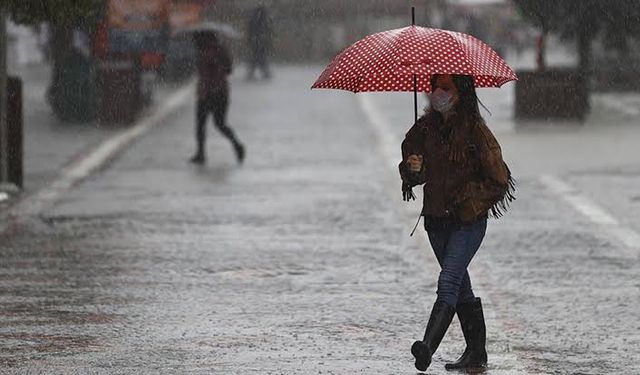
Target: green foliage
(59, 12)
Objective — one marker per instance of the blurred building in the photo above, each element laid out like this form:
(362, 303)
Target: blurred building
(308, 30)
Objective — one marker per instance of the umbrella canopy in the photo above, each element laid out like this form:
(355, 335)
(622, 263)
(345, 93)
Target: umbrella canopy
(405, 59)
(212, 27)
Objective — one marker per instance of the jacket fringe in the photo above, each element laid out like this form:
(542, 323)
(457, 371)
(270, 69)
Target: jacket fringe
(500, 208)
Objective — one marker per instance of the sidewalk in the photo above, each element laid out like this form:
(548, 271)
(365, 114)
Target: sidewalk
(50, 144)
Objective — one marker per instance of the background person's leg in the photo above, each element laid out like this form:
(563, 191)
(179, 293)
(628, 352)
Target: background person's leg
(252, 65)
(263, 63)
(201, 119)
(220, 105)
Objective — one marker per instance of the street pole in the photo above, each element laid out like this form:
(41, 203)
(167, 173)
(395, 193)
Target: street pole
(4, 141)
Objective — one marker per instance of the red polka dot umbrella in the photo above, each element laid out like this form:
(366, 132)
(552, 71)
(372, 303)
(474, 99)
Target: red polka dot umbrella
(387, 61)
(405, 59)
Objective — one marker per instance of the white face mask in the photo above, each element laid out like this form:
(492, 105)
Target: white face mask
(441, 100)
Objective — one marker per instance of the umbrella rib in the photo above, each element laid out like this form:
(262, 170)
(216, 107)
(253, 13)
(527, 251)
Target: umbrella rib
(396, 42)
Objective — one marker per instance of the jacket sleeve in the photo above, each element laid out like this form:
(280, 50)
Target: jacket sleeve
(412, 144)
(494, 190)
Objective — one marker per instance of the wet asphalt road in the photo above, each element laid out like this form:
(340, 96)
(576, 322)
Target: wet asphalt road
(299, 261)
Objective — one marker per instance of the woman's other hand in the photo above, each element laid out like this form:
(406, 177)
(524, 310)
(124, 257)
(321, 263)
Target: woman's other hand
(414, 163)
(407, 192)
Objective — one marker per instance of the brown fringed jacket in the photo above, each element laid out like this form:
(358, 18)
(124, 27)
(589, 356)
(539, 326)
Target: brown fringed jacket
(463, 173)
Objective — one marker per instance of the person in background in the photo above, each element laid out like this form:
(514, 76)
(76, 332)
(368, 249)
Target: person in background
(214, 65)
(259, 33)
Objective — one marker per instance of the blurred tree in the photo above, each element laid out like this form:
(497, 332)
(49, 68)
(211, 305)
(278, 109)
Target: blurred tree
(583, 20)
(63, 16)
(57, 12)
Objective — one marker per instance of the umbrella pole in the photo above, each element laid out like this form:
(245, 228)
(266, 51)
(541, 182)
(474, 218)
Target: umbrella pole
(415, 98)
(415, 77)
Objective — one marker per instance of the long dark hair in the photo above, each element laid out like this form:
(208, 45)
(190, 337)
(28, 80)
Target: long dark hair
(467, 104)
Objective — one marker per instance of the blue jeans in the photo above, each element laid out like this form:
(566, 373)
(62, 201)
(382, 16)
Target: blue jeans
(454, 246)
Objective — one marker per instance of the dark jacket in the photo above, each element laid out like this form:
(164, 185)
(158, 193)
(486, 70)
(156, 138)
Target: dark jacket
(463, 173)
(214, 65)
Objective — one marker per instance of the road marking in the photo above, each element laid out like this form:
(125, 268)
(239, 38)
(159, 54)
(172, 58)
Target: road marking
(608, 224)
(619, 105)
(388, 143)
(83, 167)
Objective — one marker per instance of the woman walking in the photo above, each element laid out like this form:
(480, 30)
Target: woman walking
(454, 154)
(214, 65)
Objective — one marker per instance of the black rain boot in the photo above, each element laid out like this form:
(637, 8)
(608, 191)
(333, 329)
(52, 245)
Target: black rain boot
(441, 316)
(240, 151)
(475, 334)
(198, 158)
